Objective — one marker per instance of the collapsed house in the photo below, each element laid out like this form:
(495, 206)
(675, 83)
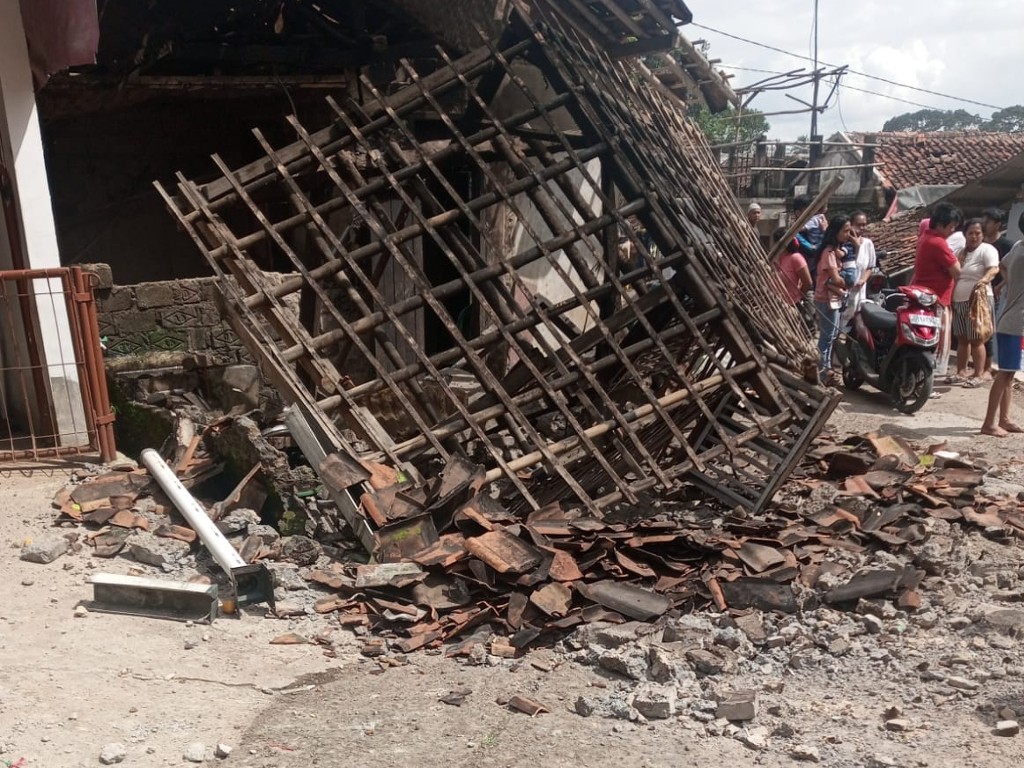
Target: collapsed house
(509, 300)
(518, 291)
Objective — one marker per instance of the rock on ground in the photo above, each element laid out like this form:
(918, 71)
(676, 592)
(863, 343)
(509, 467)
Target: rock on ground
(45, 549)
(195, 752)
(113, 753)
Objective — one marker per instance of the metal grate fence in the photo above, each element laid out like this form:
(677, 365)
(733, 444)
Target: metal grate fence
(53, 394)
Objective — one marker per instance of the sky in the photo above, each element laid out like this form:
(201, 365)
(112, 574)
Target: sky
(952, 47)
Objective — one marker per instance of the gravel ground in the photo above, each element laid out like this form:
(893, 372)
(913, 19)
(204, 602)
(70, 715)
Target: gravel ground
(876, 686)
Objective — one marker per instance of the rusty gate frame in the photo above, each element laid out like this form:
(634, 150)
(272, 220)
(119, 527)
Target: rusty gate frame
(78, 300)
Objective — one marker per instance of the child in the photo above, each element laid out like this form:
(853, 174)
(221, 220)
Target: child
(813, 232)
(848, 264)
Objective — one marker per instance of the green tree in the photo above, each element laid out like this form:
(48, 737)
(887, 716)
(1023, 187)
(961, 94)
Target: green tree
(725, 128)
(925, 120)
(1009, 120)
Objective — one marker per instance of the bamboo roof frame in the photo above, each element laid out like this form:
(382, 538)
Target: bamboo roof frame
(687, 371)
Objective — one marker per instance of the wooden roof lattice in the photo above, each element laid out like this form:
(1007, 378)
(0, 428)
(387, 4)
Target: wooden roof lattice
(601, 380)
(625, 27)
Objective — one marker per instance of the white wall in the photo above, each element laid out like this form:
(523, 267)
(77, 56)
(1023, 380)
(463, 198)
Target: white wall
(540, 277)
(21, 143)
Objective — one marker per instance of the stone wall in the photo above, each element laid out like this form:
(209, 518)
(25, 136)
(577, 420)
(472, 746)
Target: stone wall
(174, 316)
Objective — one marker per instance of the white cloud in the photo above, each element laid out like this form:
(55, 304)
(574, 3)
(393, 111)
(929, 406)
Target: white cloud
(938, 45)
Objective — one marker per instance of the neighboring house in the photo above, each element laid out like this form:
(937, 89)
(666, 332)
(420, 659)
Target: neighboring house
(765, 172)
(911, 169)
(1001, 187)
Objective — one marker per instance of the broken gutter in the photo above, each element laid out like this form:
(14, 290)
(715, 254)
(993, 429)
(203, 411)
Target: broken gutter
(251, 583)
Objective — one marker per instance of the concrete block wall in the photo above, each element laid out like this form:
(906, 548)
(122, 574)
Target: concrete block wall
(174, 316)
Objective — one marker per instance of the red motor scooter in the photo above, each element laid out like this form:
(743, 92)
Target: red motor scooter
(891, 346)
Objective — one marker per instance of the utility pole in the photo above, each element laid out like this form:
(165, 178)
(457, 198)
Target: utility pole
(817, 77)
(814, 178)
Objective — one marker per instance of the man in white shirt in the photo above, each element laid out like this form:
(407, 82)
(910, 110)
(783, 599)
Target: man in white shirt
(867, 263)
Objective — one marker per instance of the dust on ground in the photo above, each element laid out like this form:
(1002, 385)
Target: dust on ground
(878, 687)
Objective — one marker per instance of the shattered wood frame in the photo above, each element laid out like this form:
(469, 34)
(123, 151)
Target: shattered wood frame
(627, 338)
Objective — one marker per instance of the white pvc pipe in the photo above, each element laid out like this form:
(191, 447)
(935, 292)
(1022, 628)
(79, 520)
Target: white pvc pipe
(225, 554)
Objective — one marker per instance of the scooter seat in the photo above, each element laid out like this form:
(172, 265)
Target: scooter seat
(877, 318)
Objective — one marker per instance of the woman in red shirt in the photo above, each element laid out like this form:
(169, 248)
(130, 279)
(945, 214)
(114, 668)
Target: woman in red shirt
(791, 268)
(830, 292)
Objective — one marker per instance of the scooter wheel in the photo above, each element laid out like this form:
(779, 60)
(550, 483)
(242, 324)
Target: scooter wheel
(913, 386)
(850, 378)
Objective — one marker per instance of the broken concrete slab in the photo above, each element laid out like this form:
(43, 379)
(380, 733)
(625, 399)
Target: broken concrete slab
(157, 551)
(655, 702)
(611, 636)
(45, 549)
(237, 521)
(738, 706)
(805, 753)
(1006, 728)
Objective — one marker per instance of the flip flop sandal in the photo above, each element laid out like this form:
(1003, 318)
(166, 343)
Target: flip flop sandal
(971, 384)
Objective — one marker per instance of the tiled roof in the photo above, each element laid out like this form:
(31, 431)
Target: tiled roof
(898, 238)
(940, 157)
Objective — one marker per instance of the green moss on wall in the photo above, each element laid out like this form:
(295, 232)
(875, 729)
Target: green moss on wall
(137, 426)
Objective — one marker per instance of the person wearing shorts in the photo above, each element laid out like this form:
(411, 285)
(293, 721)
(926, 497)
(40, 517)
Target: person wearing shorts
(1009, 336)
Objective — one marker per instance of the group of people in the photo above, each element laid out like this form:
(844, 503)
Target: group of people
(972, 268)
(832, 260)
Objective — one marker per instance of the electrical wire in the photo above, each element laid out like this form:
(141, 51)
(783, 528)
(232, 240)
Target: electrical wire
(887, 96)
(839, 107)
(851, 71)
(841, 85)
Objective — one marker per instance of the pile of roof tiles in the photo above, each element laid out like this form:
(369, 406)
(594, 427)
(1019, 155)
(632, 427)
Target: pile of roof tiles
(535, 578)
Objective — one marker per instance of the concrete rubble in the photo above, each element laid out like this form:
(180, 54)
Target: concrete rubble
(45, 549)
(195, 752)
(114, 753)
(721, 670)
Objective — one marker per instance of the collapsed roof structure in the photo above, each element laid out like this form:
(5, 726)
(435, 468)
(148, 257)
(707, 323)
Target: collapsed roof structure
(519, 279)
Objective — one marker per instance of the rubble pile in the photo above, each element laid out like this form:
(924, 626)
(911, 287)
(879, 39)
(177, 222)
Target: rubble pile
(863, 521)
(559, 567)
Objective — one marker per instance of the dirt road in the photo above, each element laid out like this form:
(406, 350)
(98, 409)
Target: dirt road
(946, 675)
